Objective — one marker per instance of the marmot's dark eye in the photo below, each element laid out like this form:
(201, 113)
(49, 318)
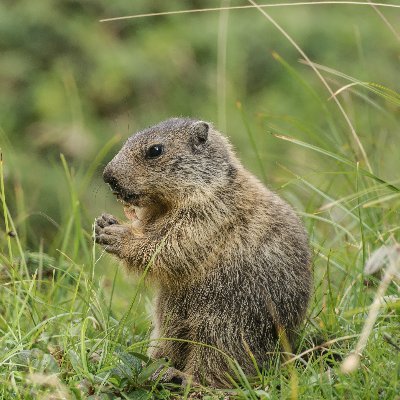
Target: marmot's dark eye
(155, 151)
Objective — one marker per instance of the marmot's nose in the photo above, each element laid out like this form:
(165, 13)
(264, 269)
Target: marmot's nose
(111, 180)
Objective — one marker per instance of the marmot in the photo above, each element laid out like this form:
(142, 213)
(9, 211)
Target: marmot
(229, 258)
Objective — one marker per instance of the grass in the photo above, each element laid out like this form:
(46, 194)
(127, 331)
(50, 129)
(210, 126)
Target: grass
(74, 326)
(66, 334)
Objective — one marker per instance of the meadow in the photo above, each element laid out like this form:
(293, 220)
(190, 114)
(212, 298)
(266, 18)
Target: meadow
(309, 96)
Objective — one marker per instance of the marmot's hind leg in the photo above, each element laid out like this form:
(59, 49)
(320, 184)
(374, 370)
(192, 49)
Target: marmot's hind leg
(209, 367)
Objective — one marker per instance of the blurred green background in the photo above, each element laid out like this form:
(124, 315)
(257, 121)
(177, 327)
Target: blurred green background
(70, 84)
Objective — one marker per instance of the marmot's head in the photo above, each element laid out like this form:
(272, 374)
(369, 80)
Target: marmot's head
(169, 162)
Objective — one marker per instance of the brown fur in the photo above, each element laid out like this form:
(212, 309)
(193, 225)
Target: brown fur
(229, 258)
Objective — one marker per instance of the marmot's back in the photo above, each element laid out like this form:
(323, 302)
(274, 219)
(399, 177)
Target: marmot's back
(230, 258)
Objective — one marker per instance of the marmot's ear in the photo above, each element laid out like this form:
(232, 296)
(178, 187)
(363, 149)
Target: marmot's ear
(200, 131)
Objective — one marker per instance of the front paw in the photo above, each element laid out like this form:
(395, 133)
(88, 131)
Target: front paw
(110, 234)
(103, 221)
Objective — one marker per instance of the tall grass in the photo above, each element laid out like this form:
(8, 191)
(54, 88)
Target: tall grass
(72, 326)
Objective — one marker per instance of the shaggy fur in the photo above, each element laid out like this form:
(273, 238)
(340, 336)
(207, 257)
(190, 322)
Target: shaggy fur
(229, 258)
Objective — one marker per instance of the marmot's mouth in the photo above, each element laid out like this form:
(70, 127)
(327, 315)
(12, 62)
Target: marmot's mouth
(128, 198)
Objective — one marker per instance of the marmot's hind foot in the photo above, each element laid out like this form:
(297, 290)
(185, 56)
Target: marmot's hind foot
(172, 375)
